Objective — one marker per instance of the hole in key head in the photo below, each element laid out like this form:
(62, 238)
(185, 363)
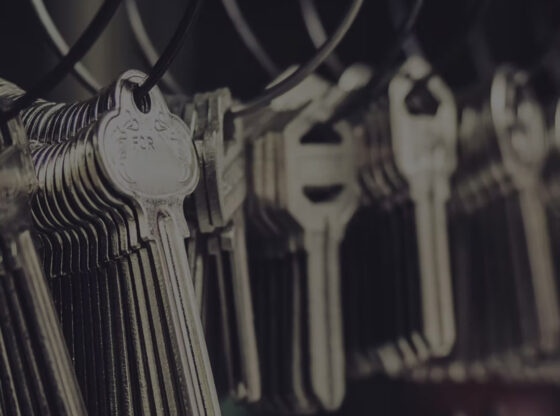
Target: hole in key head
(321, 134)
(421, 101)
(143, 103)
(322, 194)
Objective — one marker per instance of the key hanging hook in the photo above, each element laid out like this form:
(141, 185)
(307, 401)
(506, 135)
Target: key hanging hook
(74, 55)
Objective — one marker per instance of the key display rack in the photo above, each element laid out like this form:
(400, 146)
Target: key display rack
(249, 207)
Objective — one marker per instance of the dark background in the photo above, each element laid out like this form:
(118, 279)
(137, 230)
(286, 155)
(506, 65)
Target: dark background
(517, 31)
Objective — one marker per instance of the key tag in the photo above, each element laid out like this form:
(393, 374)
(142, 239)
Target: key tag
(149, 154)
(424, 139)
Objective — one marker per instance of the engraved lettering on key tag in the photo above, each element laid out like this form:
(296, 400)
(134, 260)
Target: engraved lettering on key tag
(424, 147)
(163, 142)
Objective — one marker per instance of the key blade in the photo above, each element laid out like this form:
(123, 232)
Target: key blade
(180, 289)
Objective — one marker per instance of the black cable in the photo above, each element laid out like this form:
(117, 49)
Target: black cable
(305, 70)
(146, 45)
(61, 48)
(249, 38)
(190, 16)
(386, 70)
(76, 53)
(380, 80)
(318, 34)
(412, 45)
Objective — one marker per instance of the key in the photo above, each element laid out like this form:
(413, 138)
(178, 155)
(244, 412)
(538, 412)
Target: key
(218, 202)
(425, 153)
(282, 387)
(71, 296)
(39, 337)
(521, 135)
(310, 154)
(234, 252)
(159, 208)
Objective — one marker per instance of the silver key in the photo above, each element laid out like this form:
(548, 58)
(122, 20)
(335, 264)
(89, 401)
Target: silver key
(425, 153)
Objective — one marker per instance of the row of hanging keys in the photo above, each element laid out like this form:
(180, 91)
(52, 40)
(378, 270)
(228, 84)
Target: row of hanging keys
(502, 226)
(400, 240)
(398, 286)
(303, 190)
(449, 261)
(113, 176)
(37, 374)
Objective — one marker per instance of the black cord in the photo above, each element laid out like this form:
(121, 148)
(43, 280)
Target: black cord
(190, 16)
(147, 48)
(386, 70)
(380, 81)
(76, 53)
(249, 38)
(318, 34)
(61, 48)
(412, 45)
(303, 71)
